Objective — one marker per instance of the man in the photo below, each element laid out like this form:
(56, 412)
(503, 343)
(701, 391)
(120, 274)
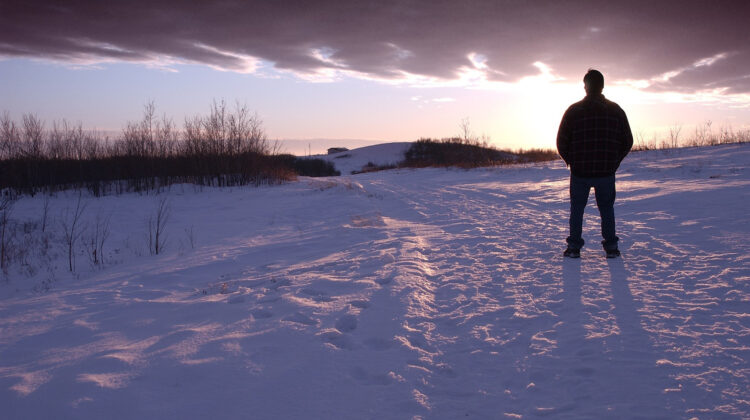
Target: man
(594, 137)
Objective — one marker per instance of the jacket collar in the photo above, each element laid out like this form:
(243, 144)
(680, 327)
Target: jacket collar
(594, 97)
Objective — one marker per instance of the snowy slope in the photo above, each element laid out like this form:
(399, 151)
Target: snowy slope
(356, 159)
(431, 293)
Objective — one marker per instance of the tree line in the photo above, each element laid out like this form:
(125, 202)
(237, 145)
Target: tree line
(226, 147)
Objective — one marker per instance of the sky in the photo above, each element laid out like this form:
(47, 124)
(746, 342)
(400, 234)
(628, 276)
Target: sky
(341, 73)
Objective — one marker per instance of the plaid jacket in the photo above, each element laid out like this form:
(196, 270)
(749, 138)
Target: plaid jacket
(594, 137)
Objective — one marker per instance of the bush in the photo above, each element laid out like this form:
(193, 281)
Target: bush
(536, 155)
(309, 166)
(467, 153)
(372, 167)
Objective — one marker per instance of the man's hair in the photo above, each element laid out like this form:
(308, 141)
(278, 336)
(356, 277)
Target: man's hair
(594, 81)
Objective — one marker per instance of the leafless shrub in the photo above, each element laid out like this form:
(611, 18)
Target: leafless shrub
(10, 137)
(465, 129)
(703, 135)
(72, 229)
(56, 140)
(190, 234)
(70, 141)
(640, 141)
(45, 213)
(6, 209)
(33, 136)
(6, 202)
(137, 137)
(674, 135)
(223, 132)
(98, 235)
(166, 137)
(742, 136)
(157, 223)
(727, 135)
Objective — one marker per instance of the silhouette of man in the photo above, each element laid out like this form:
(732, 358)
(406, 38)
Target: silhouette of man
(594, 137)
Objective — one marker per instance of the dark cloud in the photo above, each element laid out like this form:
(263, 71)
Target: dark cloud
(626, 40)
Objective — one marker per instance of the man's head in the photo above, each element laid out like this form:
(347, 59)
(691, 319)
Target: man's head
(593, 82)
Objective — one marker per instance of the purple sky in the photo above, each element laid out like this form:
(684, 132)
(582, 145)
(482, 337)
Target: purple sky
(657, 52)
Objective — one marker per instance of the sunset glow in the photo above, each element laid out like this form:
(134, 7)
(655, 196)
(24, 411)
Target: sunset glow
(375, 74)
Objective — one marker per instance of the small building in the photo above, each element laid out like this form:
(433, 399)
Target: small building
(333, 150)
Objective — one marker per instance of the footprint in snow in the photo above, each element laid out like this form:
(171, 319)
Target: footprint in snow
(236, 299)
(361, 304)
(276, 284)
(378, 344)
(362, 375)
(445, 370)
(346, 323)
(269, 299)
(338, 340)
(261, 314)
(300, 318)
(317, 295)
(385, 280)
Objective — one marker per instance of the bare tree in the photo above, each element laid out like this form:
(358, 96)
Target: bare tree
(10, 137)
(91, 145)
(56, 148)
(157, 223)
(98, 236)
(190, 233)
(77, 141)
(215, 128)
(245, 132)
(71, 224)
(640, 137)
(728, 135)
(674, 135)
(6, 208)
(192, 137)
(165, 137)
(33, 136)
(465, 129)
(138, 137)
(225, 132)
(45, 212)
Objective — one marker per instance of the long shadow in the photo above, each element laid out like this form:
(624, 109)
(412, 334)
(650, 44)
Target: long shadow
(577, 357)
(640, 380)
(615, 376)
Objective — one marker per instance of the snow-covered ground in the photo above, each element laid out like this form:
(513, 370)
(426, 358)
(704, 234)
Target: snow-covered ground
(357, 159)
(431, 293)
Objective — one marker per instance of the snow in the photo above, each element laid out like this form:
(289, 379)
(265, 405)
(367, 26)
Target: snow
(430, 293)
(379, 155)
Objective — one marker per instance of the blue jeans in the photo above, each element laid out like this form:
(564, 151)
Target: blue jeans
(604, 189)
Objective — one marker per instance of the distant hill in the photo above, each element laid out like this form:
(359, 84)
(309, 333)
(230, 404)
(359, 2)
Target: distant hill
(378, 155)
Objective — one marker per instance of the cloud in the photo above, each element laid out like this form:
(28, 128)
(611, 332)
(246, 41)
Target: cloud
(434, 40)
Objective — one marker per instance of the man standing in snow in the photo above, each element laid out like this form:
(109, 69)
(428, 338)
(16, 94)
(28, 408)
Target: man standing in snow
(594, 137)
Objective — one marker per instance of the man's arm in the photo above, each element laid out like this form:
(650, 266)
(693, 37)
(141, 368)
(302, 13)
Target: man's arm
(563, 138)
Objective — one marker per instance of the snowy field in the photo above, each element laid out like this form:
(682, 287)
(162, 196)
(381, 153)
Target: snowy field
(430, 293)
(377, 155)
